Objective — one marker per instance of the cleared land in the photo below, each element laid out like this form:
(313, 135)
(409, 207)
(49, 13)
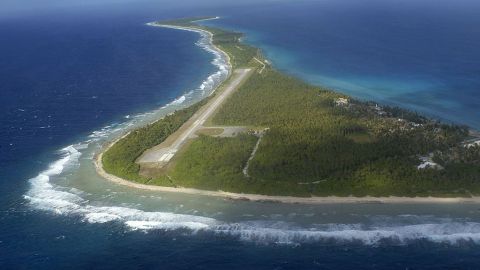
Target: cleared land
(164, 152)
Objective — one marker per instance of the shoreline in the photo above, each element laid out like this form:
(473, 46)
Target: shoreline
(277, 199)
(204, 33)
(257, 197)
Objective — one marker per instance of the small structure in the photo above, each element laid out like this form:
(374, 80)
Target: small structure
(473, 144)
(428, 163)
(342, 102)
(379, 110)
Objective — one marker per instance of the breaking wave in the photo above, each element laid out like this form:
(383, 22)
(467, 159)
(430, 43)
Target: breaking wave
(446, 233)
(179, 100)
(220, 60)
(47, 196)
(44, 195)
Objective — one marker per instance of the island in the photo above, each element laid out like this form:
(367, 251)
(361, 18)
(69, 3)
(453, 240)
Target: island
(266, 135)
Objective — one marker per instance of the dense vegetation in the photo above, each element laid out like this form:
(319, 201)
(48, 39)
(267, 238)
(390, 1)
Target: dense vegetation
(318, 142)
(240, 54)
(120, 158)
(230, 42)
(214, 163)
(314, 147)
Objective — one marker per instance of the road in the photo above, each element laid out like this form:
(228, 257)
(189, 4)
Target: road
(164, 153)
(261, 63)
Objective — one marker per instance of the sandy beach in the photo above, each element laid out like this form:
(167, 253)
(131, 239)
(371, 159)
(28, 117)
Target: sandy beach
(279, 199)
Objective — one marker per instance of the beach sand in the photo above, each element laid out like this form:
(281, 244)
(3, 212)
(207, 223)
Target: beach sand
(279, 199)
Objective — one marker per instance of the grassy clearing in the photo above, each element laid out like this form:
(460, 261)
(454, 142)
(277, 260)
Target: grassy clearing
(210, 131)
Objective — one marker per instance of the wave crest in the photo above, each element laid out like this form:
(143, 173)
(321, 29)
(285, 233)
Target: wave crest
(46, 196)
(220, 60)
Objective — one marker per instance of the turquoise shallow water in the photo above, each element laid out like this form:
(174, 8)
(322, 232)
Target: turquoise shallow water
(75, 76)
(419, 55)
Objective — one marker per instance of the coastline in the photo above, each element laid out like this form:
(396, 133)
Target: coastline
(204, 33)
(257, 197)
(276, 199)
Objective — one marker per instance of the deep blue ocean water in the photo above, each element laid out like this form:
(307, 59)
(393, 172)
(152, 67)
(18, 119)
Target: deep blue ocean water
(67, 69)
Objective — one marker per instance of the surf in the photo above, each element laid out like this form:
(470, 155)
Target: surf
(45, 195)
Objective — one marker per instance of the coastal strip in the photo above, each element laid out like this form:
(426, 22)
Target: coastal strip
(279, 199)
(266, 198)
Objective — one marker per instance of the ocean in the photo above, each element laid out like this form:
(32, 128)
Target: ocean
(77, 75)
(419, 55)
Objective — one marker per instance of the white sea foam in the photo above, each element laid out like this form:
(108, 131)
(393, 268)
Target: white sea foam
(220, 60)
(47, 196)
(446, 233)
(179, 100)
